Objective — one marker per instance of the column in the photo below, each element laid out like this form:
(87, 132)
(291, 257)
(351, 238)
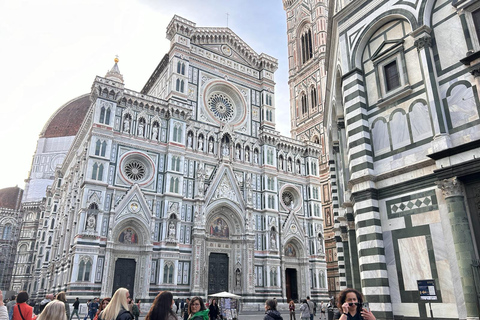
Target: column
(462, 240)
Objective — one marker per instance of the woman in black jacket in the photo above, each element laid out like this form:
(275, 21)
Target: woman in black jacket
(213, 314)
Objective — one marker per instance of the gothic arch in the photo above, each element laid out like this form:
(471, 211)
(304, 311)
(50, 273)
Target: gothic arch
(231, 214)
(141, 230)
(372, 27)
(297, 245)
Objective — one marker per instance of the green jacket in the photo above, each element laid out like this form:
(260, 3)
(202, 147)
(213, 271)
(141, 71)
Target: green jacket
(200, 315)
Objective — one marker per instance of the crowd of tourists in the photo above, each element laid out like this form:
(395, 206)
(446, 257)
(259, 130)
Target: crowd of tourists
(121, 306)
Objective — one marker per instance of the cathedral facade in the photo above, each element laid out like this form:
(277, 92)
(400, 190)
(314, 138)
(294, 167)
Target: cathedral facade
(185, 186)
(403, 126)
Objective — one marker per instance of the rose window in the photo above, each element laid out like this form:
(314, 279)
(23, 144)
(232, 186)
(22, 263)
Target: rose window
(287, 198)
(221, 106)
(135, 170)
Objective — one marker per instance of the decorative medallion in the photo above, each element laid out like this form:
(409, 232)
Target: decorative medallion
(226, 50)
(134, 207)
(293, 228)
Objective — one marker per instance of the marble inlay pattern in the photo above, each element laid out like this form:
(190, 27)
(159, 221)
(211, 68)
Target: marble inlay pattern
(415, 261)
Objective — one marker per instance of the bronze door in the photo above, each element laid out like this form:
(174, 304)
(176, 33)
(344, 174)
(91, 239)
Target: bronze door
(291, 284)
(124, 275)
(217, 273)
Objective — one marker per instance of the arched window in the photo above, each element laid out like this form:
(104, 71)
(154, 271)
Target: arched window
(168, 273)
(174, 184)
(84, 270)
(104, 149)
(52, 224)
(49, 240)
(183, 68)
(105, 115)
(98, 145)
(7, 231)
(182, 86)
(102, 115)
(313, 95)
(97, 172)
(177, 87)
(179, 66)
(304, 103)
(306, 45)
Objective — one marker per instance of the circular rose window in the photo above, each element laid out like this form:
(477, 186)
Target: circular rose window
(135, 170)
(291, 198)
(224, 103)
(221, 106)
(136, 167)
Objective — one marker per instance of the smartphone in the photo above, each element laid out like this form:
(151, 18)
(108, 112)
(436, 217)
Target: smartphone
(365, 306)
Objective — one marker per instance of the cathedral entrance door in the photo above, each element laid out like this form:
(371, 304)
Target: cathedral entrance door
(291, 284)
(124, 275)
(217, 273)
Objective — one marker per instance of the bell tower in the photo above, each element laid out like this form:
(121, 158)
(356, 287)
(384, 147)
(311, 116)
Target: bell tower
(307, 38)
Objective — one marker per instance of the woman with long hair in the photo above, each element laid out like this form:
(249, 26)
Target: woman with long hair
(214, 311)
(161, 308)
(349, 304)
(103, 304)
(291, 307)
(304, 310)
(61, 296)
(54, 310)
(197, 310)
(271, 312)
(22, 309)
(117, 309)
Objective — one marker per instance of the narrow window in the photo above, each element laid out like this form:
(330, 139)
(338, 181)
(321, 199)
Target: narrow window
(97, 148)
(102, 114)
(107, 116)
(182, 86)
(476, 22)
(178, 66)
(104, 149)
(178, 85)
(392, 78)
(81, 267)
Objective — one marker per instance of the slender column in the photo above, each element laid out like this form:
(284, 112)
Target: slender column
(462, 240)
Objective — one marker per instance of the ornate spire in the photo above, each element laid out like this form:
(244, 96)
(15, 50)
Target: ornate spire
(114, 74)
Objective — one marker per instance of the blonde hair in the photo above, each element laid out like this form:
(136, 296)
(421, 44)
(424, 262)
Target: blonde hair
(62, 296)
(119, 301)
(54, 310)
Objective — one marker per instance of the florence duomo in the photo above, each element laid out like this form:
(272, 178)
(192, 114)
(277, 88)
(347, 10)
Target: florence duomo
(188, 185)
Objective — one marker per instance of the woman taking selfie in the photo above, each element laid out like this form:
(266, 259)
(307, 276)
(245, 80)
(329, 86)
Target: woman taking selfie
(350, 303)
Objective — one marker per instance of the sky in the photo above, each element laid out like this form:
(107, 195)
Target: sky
(53, 49)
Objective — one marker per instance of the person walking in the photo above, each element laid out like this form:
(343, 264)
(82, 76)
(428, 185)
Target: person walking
(311, 308)
(214, 311)
(92, 311)
(271, 312)
(322, 311)
(185, 309)
(76, 306)
(117, 309)
(291, 307)
(350, 306)
(197, 310)
(54, 310)
(304, 311)
(11, 303)
(88, 309)
(61, 296)
(177, 304)
(161, 308)
(22, 310)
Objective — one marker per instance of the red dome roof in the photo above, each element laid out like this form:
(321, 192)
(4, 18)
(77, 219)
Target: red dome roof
(66, 121)
(11, 197)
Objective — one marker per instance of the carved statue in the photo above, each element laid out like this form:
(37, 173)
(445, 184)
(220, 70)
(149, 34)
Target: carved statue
(225, 152)
(189, 141)
(200, 143)
(201, 179)
(210, 146)
(237, 153)
(140, 129)
(255, 157)
(238, 277)
(91, 221)
(273, 240)
(126, 125)
(289, 165)
(247, 155)
(155, 133)
(248, 186)
(171, 230)
(298, 167)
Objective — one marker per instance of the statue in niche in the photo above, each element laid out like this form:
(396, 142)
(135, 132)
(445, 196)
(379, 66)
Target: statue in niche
(200, 143)
(225, 151)
(247, 155)
(171, 230)
(280, 163)
(155, 132)
(189, 140)
(140, 129)
(210, 146)
(201, 179)
(289, 165)
(273, 240)
(126, 125)
(298, 167)
(237, 152)
(91, 221)
(238, 277)
(248, 186)
(255, 156)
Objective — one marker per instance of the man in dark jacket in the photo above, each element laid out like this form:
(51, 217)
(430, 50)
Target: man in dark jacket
(76, 305)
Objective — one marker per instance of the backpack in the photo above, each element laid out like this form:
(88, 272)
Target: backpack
(135, 310)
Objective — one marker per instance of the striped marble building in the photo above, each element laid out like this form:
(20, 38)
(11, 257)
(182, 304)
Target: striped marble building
(403, 126)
